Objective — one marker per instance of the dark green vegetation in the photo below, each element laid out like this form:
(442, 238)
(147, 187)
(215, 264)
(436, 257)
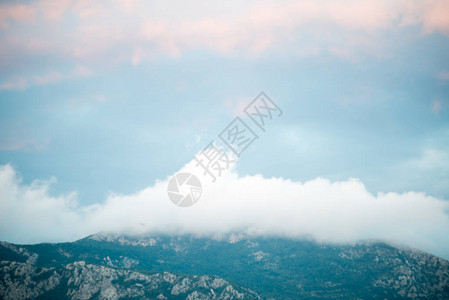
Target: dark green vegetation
(272, 267)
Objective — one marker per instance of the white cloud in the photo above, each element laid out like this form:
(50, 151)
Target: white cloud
(431, 159)
(340, 212)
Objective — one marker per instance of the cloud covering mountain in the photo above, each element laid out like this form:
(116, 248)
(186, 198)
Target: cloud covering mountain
(337, 212)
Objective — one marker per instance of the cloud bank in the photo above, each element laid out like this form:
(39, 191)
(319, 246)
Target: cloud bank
(337, 212)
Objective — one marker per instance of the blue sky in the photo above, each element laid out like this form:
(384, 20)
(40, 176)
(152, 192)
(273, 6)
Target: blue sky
(114, 96)
(123, 127)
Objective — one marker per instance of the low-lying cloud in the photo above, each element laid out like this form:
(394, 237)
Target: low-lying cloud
(337, 212)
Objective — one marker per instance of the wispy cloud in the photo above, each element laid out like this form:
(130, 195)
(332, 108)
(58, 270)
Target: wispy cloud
(18, 144)
(430, 159)
(55, 76)
(443, 75)
(49, 78)
(21, 83)
(81, 71)
(15, 84)
(437, 106)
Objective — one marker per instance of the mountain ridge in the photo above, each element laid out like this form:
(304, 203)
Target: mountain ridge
(266, 267)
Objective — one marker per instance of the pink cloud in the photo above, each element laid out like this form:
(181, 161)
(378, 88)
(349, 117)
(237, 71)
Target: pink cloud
(88, 9)
(16, 84)
(20, 13)
(53, 9)
(135, 31)
(128, 5)
(436, 17)
(431, 15)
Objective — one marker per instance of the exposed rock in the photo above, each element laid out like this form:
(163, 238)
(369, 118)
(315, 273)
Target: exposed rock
(80, 280)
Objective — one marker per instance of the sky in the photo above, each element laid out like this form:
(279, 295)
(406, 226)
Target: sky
(101, 103)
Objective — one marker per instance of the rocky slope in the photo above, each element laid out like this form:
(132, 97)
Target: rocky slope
(79, 280)
(274, 268)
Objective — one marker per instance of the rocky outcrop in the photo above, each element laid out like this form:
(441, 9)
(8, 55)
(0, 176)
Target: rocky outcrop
(79, 280)
(148, 266)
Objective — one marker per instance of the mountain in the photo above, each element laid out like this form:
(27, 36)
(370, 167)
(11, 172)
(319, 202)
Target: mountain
(79, 280)
(231, 266)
